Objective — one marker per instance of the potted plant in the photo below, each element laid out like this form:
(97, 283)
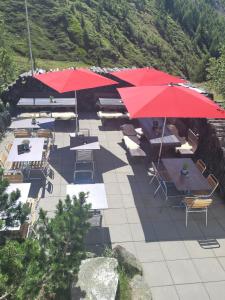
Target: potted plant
(33, 121)
(51, 98)
(184, 170)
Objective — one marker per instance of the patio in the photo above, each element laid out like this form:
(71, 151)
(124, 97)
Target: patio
(178, 262)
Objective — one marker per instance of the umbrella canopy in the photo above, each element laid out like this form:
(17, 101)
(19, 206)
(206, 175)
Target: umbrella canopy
(170, 101)
(147, 76)
(73, 80)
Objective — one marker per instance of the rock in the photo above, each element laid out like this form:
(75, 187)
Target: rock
(97, 279)
(130, 263)
(139, 289)
(90, 255)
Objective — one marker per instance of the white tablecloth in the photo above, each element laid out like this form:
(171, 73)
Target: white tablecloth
(97, 194)
(35, 153)
(27, 123)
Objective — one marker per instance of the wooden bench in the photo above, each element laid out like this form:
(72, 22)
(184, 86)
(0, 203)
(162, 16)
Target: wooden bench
(190, 146)
(56, 115)
(131, 141)
(13, 177)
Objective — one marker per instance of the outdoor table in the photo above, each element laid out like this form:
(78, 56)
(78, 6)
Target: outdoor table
(45, 102)
(35, 153)
(27, 123)
(97, 194)
(110, 103)
(155, 136)
(84, 143)
(193, 182)
(24, 192)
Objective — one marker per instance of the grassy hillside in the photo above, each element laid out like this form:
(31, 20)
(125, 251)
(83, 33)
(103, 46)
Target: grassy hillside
(174, 35)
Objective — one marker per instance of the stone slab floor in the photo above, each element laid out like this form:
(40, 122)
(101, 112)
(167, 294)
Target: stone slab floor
(178, 262)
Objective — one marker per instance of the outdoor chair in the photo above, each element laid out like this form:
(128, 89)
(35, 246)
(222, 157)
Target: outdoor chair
(169, 190)
(41, 166)
(164, 183)
(84, 132)
(158, 172)
(213, 182)
(45, 133)
(22, 133)
(8, 147)
(84, 163)
(13, 176)
(193, 205)
(201, 165)
(8, 165)
(190, 146)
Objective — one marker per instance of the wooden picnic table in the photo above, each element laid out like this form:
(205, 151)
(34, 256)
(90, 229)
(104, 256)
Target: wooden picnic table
(45, 102)
(110, 103)
(192, 182)
(154, 136)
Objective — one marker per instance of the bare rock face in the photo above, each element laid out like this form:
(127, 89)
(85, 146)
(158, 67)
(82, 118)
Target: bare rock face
(130, 263)
(139, 289)
(97, 279)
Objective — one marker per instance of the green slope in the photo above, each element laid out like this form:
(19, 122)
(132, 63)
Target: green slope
(174, 35)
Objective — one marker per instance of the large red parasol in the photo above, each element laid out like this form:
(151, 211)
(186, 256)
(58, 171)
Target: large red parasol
(73, 80)
(170, 101)
(147, 76)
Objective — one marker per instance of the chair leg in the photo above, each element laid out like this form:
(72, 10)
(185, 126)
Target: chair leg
(156, 191)
(186, 217)
(153, 177)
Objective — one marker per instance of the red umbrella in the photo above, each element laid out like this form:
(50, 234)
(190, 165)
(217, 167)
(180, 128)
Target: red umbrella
(147, 76)
(170, 101)
(73, 80)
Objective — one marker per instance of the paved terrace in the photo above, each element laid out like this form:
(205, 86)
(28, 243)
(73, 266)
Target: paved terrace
(179, 262)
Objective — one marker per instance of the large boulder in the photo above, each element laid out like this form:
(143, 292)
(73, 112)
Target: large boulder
(139, 289)
(97, 279)
(130, 263)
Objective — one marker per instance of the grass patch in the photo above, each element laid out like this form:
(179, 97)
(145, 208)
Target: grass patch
(23, 64)
(123, 286)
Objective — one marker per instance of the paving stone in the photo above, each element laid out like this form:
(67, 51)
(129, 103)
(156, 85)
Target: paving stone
(148, 252)
(115, 201)
(192, 291)
(115, 216)
(173, 250)
(183, 271)
(164, 293)
(209, 269)
(216, 290)
(120, 233)
(196, 251)
(157, 274)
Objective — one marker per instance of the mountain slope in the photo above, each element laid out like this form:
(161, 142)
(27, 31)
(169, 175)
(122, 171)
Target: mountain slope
(174, 35)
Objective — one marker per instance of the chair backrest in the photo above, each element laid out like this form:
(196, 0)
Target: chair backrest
(84, 131)
(193, 140)
(46, 133)
(3, 159)
(14, 177)
(213, 182)
(84, 156)
(22, 133)
(8, 147)
(201, 165)
(198, 203)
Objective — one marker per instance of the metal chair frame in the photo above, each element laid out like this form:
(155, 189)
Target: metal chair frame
(84, 159)
(196, 205)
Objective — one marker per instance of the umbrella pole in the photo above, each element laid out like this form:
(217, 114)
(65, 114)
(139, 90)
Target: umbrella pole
(161, 145)
(76, 114)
